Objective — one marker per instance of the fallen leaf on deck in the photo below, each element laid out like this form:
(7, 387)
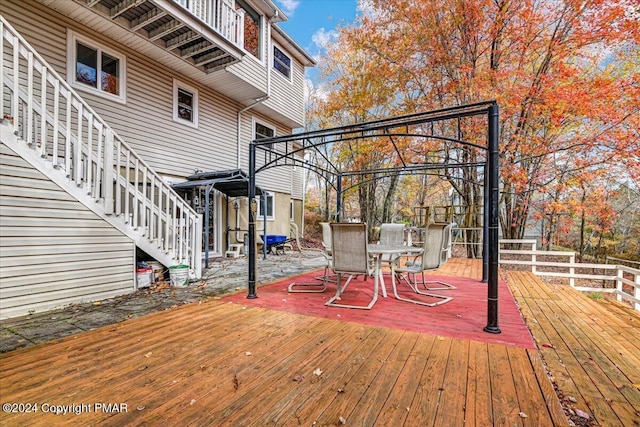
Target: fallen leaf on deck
(547, 345)
(247, 353)
(140, 408)
(298, 378)
(572, 399)
(97, 303)
(523, 415)
(317, 372)
(192, 402)
(148, 354)
(343, 421)
(582, 414)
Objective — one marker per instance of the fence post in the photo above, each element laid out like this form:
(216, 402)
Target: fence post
(572, 270)
(636, 292)
(533, 259)
(619, 275)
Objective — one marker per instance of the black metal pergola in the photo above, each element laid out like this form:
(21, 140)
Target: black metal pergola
(443, 125)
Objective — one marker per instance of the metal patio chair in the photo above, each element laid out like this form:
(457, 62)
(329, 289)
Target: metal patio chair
(437, 243)
(321, 284)
(350, 256)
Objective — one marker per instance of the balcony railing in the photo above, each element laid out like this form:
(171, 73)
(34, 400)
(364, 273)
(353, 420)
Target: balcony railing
(220, 15)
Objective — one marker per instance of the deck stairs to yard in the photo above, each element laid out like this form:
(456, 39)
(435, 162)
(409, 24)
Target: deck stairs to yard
(50, 126)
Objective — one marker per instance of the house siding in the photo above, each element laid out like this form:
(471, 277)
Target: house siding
(145, 122)
(54, 250)
(288, 96)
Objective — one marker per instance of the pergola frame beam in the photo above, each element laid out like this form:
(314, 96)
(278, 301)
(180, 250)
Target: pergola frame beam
(385, 129)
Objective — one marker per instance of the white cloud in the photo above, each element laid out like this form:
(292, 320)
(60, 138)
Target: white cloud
(289, 6)
(322, 38)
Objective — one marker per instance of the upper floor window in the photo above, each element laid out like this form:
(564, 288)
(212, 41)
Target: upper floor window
(185, 104)
(93, 67)
(281, 62)
(252, 29)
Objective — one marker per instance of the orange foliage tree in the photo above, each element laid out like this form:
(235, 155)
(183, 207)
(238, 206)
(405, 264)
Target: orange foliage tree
(565, 74)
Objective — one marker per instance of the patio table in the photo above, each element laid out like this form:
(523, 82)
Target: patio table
(379, 250)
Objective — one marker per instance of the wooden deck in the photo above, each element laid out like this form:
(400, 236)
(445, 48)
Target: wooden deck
(218, 363)
(591, 348)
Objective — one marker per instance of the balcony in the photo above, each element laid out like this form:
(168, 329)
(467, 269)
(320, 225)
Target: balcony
(207, 34)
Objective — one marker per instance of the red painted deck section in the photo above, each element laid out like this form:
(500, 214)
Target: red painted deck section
(463, 317)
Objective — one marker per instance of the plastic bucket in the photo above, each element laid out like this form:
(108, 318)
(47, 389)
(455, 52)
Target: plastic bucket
(179, 275)
(144, 277)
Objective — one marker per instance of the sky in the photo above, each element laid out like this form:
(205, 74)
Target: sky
(312, 22)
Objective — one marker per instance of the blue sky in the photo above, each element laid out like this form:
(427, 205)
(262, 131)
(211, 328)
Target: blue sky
(312, 22)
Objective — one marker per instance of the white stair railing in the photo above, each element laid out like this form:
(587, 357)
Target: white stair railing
(49, 116)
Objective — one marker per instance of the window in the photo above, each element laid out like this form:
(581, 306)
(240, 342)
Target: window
(270, 206)
(281, 62)
(94, 68)
(261, 130)
(252, 29)
(185, 104)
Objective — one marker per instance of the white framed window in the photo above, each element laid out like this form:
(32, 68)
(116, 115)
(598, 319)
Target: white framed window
(282, 62)
(185, 104)
(262, 130)
(270, 206)
(95, 68)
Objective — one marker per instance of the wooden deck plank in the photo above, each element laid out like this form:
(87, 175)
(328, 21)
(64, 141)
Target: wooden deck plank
(505, 404)
(366, 411)
(532, 404)
(478, 405)
(212, 371)
(344, 403)
(155, 341)
(395, 410)
(551, 398)
(334, 381)
(450, 410)
(427, 398)
(283, 385)
(621, 371)
(587, 349)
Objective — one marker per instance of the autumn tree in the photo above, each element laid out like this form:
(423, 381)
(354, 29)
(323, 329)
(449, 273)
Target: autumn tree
(564, 73)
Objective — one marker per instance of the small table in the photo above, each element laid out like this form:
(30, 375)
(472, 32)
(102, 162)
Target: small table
(379, 250)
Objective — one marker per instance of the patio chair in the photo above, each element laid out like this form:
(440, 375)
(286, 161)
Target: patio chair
(435, 253)
(391, 234)
(350, 256)
(320, 286)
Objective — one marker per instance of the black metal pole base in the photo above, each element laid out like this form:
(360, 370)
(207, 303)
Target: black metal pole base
(492, 329)
(252, 290)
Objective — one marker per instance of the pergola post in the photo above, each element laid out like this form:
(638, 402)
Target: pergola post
(485, 227)
(252, 222)
(339, 197)
(494, 194)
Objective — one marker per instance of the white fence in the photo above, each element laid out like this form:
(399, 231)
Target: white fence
(621, 280)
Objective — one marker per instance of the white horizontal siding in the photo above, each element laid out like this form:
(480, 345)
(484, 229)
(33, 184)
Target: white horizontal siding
(287, 97)
(53, 250)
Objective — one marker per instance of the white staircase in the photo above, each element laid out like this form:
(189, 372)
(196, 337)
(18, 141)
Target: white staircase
(49, 125)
